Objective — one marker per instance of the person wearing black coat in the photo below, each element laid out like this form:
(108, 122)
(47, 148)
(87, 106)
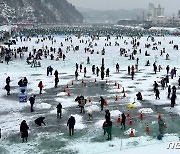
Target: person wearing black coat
(8, 80)
(129, 70)
(139, 96)
(50, 70)
(32, 101)
(56, 73)
(123, 121)
(7, 87)
(20, 83)
(59, 110)
(102, 102)
(173, 99)
(174, 90)
(25, 81)
(71, 122)
(56, 81)
(107, 116)
(155, 86)
(169, 91)
(157, 93)
(24, 130)
(40, 121)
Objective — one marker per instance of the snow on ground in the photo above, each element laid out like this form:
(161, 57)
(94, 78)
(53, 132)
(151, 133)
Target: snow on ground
(13, 112)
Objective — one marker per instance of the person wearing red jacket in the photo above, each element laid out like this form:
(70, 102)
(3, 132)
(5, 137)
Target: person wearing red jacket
(40, 85)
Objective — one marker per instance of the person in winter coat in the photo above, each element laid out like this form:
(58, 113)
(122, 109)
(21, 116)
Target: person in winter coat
(25, 81)
(56, 73)
(107, 72)
(139, 96)
(107, 116)
(40, 121)
(50, 70)
(24, 130)
(40, 85)
(85, 71)
(7, 87)
(82, 104)
(129, 70)
(97, 71)
(117, 67)
(155, 86)
(76, 75)
(47, 70)
(174, 90)
(20, 83)
(93, 69)
(107, 126)
(167, 69)
(173, 99)
(32, 101)
(59, 110)
(172, 73)
(169, 91)
(80, 67)
(88, 60)
(157, 93)
(161, 126)
(102, 102)
(123, 121)
(8, 80)
(155, 67)
(71, 122)
(56, 81)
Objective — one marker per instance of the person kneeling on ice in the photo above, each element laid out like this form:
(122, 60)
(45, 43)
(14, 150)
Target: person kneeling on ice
(139, 96)
(40, 121)
(107, 126)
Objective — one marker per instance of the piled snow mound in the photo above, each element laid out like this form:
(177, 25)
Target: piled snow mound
(43, 106)
(146, 110)
(92, 108)
(115, 113)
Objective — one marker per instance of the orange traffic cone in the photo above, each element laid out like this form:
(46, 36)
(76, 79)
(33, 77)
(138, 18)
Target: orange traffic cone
(141, 116)
(159, 116)
(130, 122)
(95, 80)
(123, 91)
(165, 126)
(67, 86)
(72, 83)
(119, 119)
(132, 133)
(124, 95)
(69, 93)
(89, 100)
(64, 89)
(128, 115)
(147, 128)
(105, 102)
(118, 86)
(116, 98)
(115, 84)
